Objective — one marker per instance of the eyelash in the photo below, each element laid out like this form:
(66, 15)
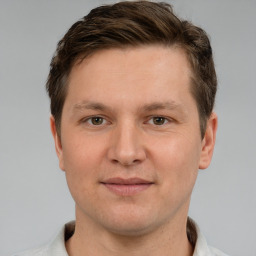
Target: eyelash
(89, 120)
(150, 120)
(164, 119)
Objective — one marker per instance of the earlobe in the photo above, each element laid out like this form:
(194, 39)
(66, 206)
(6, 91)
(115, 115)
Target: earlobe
(208, 142)
(57, 142)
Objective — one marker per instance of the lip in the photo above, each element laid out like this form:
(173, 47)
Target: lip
(126, 187)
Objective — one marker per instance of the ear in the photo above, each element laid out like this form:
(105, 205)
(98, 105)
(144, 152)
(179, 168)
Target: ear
(208, 141)
(57, 141)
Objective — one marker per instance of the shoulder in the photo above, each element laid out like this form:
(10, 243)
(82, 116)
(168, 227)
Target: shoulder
(199, 241)
(216, 252)
(41, 251)
(56, 247)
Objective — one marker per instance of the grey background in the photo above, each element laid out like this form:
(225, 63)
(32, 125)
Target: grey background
(34, 199)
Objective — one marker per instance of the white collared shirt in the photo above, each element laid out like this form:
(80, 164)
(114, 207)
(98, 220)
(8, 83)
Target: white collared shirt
(57, 246)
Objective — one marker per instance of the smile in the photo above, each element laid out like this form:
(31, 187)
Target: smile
(126, 187)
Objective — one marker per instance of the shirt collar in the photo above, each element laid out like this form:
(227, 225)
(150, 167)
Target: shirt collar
(197, 239)
(57, 246)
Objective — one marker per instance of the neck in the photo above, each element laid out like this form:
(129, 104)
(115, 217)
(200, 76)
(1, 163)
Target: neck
(169, 239)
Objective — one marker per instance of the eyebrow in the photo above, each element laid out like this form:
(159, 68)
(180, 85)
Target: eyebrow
(88, 105)
(169, 105)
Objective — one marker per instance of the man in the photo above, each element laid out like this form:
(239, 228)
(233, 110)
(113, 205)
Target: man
(132, 91)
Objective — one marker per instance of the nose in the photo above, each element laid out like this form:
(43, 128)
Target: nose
(126, 145)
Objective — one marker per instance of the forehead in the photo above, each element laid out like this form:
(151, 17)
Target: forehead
(150, 73)
(149, 59)
(151, 52)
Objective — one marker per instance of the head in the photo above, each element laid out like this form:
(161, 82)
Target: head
(134, 24)
(132, 89)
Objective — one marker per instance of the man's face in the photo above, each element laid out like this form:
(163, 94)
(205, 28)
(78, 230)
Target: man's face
(130, 139)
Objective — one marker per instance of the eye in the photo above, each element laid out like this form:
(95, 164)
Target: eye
(96, 120)
(158, 120)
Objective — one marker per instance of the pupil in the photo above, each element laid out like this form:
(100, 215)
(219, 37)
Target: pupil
(97, 120)
(158, 120)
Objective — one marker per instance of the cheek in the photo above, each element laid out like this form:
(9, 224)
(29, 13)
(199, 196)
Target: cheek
(176, 162)
(81, 153)
(82, 160)
(81, 174)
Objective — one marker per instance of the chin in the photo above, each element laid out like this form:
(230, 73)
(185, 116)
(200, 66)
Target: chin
(130, 222)
(131, 229)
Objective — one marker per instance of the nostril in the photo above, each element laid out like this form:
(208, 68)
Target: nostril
(114, 161)
(125, 161)
(126, 148)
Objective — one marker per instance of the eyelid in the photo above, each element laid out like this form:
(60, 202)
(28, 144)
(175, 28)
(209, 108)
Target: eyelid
(149, 120)
(167, 119)
(88, 120)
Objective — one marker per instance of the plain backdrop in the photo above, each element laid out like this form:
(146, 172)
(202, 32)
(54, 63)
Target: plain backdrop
(34, 199)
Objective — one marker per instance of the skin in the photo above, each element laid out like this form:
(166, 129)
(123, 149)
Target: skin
(129, 114)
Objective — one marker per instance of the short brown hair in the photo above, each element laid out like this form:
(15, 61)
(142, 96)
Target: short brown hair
(131, 24)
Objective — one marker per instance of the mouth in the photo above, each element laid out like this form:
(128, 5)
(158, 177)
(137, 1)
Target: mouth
(126, 187)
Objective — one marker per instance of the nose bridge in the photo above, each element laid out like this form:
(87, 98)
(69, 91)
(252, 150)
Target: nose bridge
(126, 147)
